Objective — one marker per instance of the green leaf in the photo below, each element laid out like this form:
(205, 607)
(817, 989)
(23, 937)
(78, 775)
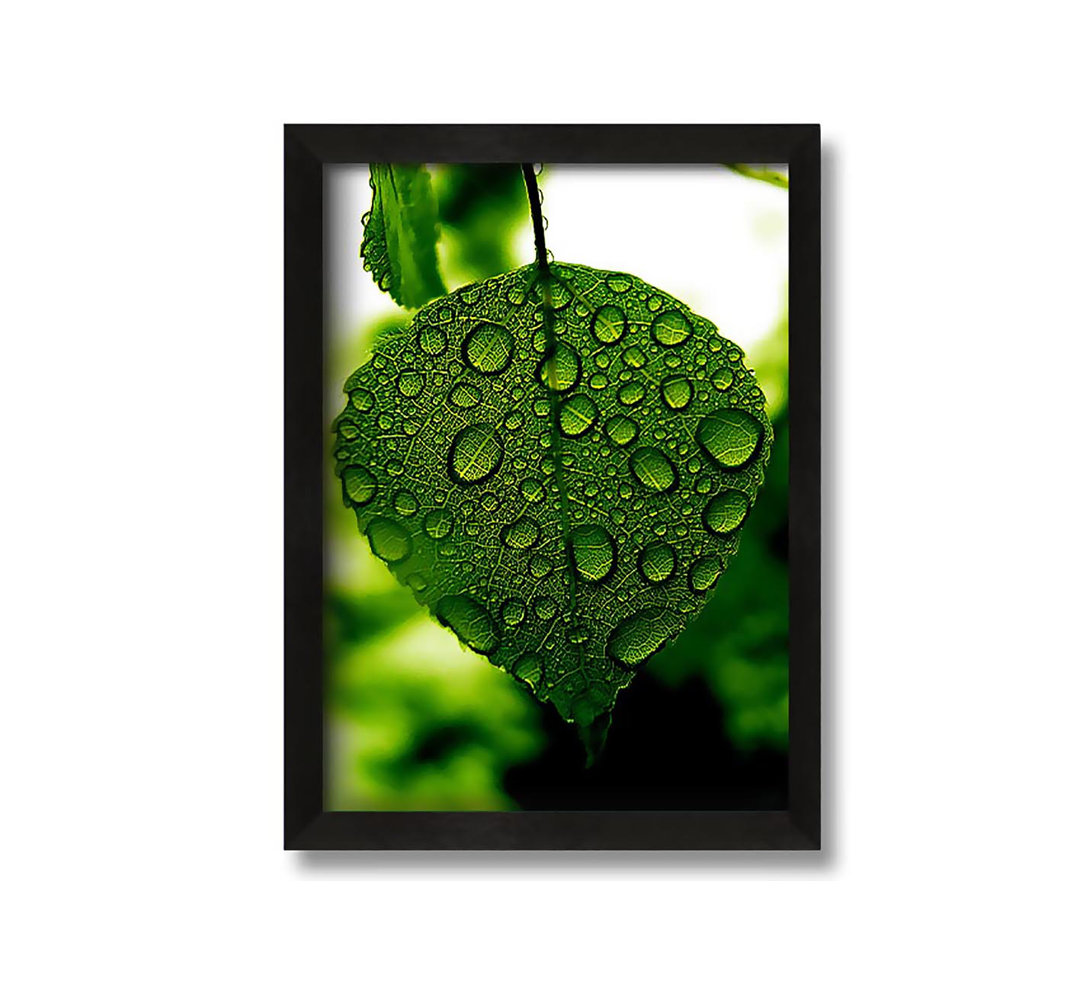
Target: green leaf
(400, 233)
(773, 177)
(559, 467)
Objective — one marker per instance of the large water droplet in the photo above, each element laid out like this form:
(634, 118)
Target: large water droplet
(530, 669)
(622, 430)
(360, 485)
(726, 511)
(671, 328)
(722, 378)
(432, 339)
(475, 454)
(438, 523)
(522, 534)
(609, 324)
(652, 469)
(389, 540)
(705, 572)
(559, 294)
(677, 392)
(640, 635)
(513, 611)
(540, 566)
(561, 369)
(729, 437)
(532, 490)
(410, 384)
(657, 562)
(488, 348)
(470, 621)
(362, 400)
(593, 551)
(631, 393)
(405, 503)
(464, 395)
(576, 415)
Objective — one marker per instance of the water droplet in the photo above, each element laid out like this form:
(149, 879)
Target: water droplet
(464, 395)
(631, 393)
(488, 348)
(722, 378)
(726, 511)
(729, 437)
(657, 562)
(677, 392)
(622, 430)
(405, 504)
(513, 611)
(532, 490)
(640, 635)
(362, 400)
(410, 384)
(576, 415)
(348, 430)
(652, 469)
(561, 369)
(475, 454)
(598, 380)
(654, 303)
(671, 328)
(545, 609)
(417, 582)
(360, 485)
(634, 357)
(593, 552)
(522, 534)
(469, 620)
(530, 669)
(559, 294)
(432, 339)
(438, 523)
(542, 407)
(513, 420)
(540, 566)
(389, 540)
(705, 572)
(609, 324)
(619, 283)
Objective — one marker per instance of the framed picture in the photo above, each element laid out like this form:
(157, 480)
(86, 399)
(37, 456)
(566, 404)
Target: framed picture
(552, 518)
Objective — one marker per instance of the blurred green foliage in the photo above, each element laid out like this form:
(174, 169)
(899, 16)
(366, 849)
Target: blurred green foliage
(417, 722)
(481, 207)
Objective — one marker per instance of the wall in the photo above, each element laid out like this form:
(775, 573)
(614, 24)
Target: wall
(140, 725)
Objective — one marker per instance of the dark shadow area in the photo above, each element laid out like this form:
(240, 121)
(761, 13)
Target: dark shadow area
(686, 761)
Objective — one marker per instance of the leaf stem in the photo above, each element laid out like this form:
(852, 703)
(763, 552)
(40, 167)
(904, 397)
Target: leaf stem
(537, 218)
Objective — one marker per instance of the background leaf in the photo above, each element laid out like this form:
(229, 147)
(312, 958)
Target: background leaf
(401, 232)
(561, 486)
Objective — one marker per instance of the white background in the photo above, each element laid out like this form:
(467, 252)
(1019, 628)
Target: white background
(141, 557)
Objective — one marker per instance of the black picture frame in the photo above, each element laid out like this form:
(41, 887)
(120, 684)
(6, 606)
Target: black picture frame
(307, 825)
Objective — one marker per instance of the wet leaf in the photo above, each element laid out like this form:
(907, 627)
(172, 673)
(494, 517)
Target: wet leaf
(559, 466)
(400, 234)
